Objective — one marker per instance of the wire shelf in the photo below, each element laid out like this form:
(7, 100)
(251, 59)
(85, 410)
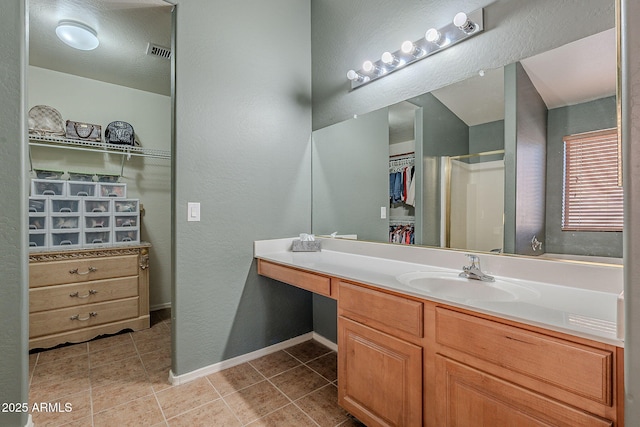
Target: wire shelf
(101, 147)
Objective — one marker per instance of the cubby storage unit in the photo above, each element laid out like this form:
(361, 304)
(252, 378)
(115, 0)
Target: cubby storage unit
(38, 205)
(69, 205)
(38, 239)
(97, 205)
(110, 189)
(82, 189)
(48, 187)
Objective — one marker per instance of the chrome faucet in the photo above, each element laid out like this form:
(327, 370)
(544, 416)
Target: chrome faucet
(473, 270)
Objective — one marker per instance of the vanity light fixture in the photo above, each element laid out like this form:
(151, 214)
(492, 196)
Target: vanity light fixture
(461, 28)
(77, 35)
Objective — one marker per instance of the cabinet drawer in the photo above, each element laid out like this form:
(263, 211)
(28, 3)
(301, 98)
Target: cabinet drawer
(67, 319)
(61, 296)
(576, 368)
(81, 270)
(388, 313)
(309, 281)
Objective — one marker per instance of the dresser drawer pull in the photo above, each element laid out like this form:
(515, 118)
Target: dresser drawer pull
(77, 294)
(84, 319)
(89, 270)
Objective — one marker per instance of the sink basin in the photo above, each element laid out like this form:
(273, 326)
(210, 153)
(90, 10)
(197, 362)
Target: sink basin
(450, 285)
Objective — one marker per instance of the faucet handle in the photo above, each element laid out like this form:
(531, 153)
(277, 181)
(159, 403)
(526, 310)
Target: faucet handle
(474, 260)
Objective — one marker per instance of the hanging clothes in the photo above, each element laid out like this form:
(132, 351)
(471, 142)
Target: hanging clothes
(402, 234)
(411, 194)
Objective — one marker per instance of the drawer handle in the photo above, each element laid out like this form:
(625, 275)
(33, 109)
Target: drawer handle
(77, 294)
(84, 319)
(89, 270)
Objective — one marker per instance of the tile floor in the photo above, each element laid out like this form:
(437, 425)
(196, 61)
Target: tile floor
(122, 380)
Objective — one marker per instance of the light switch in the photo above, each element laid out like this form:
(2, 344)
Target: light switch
(193, 211)
(383, 212)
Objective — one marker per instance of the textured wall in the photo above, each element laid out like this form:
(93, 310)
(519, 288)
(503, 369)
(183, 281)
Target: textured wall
(242, 149)
(631, 151)
(486, 137)
(13, 217)
(585, 117)
(345, 33)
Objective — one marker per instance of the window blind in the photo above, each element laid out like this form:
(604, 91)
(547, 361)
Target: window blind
(592, 198)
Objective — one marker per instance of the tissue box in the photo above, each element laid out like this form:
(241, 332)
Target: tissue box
(306, 246)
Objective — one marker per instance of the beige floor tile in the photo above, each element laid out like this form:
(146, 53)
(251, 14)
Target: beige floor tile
(322, 406)
(115, 394)
(112, 354)
(157, 364)
(126, 370)
(61, 353)
(51, 390)
(351, 422)
(308, 350)
(289, 416)
(62, 411)
(140, 412)
(72, 368)
(83, 422)
(275, 363)
(110, 341)
(214, 413)
(298, 382)
(151, 345)
(255, 401)
(326, 365)
(234, 379)
(181, 398)
(33, 360)
(157, 331)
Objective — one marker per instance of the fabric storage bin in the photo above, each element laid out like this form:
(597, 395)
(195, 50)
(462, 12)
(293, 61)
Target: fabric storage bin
(112, 189)
(121, 221)
(64, 239)
(96, 206)
(38, 239)
(97, 221)
(48, 187)
(38, 221)
(127, 205)
(128, 235)
(65, 222)
(96, 238)
(66, 205)
(38, 205)
(82, 189)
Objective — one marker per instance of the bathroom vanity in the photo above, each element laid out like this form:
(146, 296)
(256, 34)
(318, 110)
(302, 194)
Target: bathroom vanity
(413, 350)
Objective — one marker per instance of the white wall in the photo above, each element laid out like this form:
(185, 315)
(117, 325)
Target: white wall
(148, 179)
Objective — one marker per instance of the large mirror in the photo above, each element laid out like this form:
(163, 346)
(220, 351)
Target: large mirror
(477, 165)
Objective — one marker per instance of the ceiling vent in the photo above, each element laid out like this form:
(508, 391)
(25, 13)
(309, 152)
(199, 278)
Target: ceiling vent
(162, 52)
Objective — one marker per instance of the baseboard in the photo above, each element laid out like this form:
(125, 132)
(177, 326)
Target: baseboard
(162, 306)
(229, 363)
(29, 422)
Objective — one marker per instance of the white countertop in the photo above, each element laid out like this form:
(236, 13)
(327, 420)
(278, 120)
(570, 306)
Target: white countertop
(575, 298)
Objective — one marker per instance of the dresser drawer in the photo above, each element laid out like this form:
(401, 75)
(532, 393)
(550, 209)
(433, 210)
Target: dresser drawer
(61, 296)
(575, 368)
(302, 279)
(388, 313)
(71, 318)
(81, 270)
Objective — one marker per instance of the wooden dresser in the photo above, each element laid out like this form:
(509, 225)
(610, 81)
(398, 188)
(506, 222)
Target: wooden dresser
(76, 295)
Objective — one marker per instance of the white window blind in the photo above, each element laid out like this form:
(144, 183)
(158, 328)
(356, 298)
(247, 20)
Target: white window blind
(592, 197)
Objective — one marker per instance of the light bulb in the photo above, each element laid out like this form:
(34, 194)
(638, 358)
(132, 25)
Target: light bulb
(433, 36)
(461, 21)
(407, 47)
(368, 66)
(352, 75)
(388, 58)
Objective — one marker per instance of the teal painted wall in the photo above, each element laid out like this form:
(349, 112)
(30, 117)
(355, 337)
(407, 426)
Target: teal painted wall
(14, 299)
(242, 149)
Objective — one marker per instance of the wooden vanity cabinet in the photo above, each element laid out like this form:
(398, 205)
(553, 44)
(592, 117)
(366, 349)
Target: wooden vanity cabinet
(317, 283)
(380, 356)
(492, 373)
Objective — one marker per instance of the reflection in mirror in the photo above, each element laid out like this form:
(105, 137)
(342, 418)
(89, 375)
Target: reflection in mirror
(441, 136)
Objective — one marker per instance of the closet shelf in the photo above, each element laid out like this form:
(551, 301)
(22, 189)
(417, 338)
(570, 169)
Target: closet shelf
(100, 147)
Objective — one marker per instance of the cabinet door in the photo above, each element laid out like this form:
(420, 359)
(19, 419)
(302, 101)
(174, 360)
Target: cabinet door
(468, 397)
(379, 376)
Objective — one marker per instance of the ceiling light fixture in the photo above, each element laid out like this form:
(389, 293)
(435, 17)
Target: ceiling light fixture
(459, 29)
(77, 35)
